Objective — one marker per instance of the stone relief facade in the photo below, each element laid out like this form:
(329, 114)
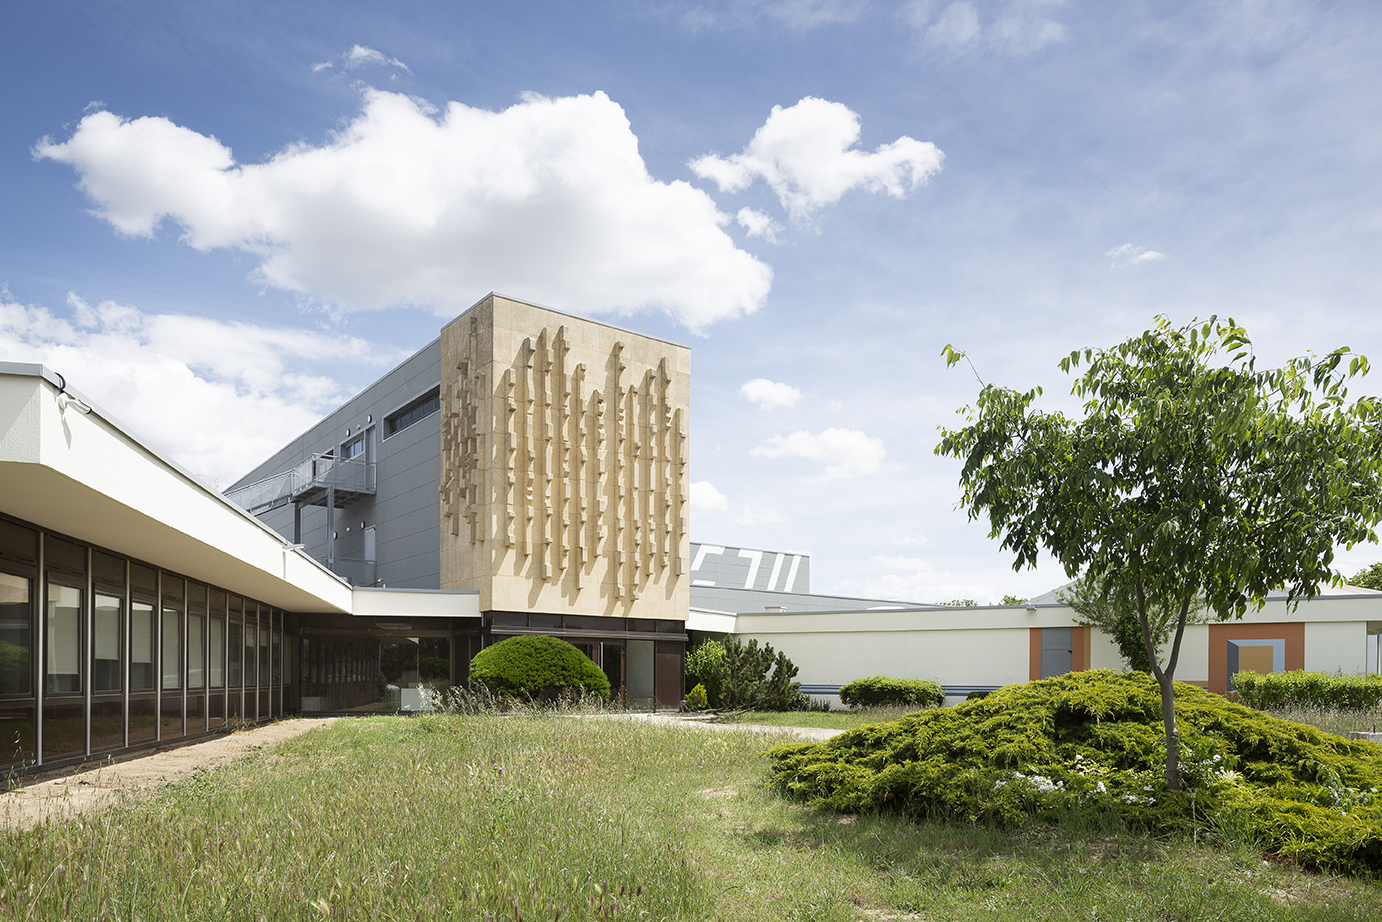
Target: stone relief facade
(563, 464)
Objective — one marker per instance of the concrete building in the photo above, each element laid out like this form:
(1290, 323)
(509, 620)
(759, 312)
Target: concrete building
(140, 608)
(534, 458)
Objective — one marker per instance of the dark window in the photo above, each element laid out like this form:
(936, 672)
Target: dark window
(355, 448)
(16, 642)
(420, 408)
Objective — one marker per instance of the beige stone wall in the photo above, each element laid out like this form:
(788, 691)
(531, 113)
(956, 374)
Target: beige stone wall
(564, 464)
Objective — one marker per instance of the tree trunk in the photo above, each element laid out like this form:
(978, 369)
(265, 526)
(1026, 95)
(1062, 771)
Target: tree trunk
(1168, 718)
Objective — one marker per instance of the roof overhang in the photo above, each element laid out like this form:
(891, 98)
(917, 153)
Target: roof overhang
(70, 469)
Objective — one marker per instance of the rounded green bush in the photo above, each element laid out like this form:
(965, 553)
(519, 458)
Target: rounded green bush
(884, 691)
(537, 667)
(1093, 743)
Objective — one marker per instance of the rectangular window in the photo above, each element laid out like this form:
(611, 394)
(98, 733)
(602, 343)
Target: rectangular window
(16, 640)
(217, 647)
(141, 646)
(410, 413)
(64, 639)
(172, 648)
(264, 650)
(105, 646)
(355, 448)
(251, 656)
(233, 645)
(196, 674)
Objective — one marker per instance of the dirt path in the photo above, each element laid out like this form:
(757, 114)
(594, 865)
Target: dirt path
(79, 793)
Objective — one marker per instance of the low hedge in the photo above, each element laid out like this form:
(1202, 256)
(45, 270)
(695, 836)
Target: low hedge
(1092, 743)
(537, 667)
(1309, 690)
(885, 691)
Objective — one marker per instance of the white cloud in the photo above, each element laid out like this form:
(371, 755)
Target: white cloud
(1018, 28)
(547, 200)
(360, 55)
(796, 15)
(915, 579)
(705, 498)
(216, 397)
(749, 516)
(758, 224)
(846, 452)
(804, 154)
(768, 394)
(1128, 256)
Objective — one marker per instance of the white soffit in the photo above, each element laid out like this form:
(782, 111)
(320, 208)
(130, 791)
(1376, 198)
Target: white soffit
(81, 475)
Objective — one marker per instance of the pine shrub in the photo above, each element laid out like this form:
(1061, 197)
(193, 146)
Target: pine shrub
(885, 691)
(1092, 743)
(537, 667)
(760, 679)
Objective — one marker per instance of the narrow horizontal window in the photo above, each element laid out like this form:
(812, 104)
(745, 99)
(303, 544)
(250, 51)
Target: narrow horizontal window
(420, 408)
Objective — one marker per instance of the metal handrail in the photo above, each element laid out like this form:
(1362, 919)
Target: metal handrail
(319, 470)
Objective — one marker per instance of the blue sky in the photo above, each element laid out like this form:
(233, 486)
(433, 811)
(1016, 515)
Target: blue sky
(221, 219)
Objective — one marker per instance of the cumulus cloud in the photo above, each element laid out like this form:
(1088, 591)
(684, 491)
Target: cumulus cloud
(1016, 29)
(705, 498)
(795, 15)
(758, 224)
(547, 200)
(216, 397)
(804, 153)
(846, 452)
(1128, 256)
(768, 394)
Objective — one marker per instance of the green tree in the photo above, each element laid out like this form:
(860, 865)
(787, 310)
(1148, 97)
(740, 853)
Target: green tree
(1368, 577)
(1112, 608)
(1193, 474)
(1012, 600)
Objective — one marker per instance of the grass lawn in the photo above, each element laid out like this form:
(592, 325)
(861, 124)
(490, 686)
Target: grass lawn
(592, 818)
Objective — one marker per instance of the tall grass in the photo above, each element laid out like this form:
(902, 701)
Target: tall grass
(540, 816)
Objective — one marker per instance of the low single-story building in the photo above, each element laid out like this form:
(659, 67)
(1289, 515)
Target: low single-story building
(984, 647)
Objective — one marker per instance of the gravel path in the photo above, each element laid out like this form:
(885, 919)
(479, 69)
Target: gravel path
(76, 793)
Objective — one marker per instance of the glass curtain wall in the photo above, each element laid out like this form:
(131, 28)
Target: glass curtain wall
(216, 660)
(171, 651)
(107, 642)
(99, 652)
(64, 728)
(196, 658)
(17, 704)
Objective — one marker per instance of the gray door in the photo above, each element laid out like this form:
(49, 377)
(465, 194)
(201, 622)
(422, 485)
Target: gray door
(1057, 651)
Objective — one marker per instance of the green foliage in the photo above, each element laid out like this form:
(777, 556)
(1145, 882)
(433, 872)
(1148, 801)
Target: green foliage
(537, 667)
(884, 691)
(1318, 691)
(1112, 609)
(705, 665)
(759, 679)
(961, 603)
(696, 699)
(1368, 577)
(1088, 744)
(1012, 600)
(1192, 475)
